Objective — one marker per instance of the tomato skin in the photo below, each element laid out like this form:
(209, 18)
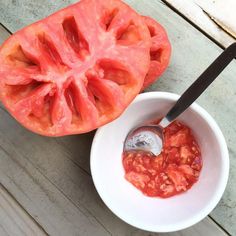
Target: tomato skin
(172, 172)
(160, 51)
(60, 53)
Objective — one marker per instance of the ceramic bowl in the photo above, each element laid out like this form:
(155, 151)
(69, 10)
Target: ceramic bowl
(157, 214)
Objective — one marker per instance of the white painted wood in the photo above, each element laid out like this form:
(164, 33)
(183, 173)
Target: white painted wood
(14, 220)
(196, 11)
(222, 12)
(50, 177)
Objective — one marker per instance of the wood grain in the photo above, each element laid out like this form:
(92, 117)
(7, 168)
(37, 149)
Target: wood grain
(50, 177)
(3, 232)
(13, 218)
(221, 12)
(201, 16)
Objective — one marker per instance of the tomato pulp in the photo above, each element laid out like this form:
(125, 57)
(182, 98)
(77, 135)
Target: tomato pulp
(160, 51)
(77, 69)
(173, 171)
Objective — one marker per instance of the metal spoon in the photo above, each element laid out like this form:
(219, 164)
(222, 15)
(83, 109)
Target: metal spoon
(150, 137)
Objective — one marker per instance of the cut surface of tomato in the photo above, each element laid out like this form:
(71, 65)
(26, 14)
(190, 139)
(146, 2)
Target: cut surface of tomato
(160, 51)
(76, 69)
(172, 172)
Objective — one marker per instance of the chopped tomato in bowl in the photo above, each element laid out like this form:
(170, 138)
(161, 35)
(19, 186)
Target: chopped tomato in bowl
(173, 171)
(196, 157)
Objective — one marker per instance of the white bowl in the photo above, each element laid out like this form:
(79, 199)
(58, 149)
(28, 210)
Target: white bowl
(156, 214)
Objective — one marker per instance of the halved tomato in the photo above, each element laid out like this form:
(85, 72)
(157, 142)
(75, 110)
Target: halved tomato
(76, 69)
(160, 51)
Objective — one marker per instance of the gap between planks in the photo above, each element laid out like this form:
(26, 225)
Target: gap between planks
(14, 219)
(202, 20)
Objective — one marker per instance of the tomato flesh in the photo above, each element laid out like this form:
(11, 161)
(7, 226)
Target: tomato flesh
(76, 69)
(160, 51)
(172, 172)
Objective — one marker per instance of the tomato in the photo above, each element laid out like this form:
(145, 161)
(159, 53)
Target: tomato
(76, 69)
(160, 51)
(172, 172)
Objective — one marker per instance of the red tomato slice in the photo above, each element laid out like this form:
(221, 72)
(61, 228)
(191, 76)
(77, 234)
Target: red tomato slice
(76, 69)
(160, 51)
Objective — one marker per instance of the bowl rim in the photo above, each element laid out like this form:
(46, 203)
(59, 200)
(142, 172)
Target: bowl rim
(222, 183)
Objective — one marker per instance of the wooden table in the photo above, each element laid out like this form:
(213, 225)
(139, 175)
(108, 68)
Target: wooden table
(45, 183)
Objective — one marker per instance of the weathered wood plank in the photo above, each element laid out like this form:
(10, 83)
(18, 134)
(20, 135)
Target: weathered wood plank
(205, 227)
(4, 34)
(45, 203)
(58, 167)
(221, 12)
(3, 232)
(14, 220)
(48, 203)
(203, 14)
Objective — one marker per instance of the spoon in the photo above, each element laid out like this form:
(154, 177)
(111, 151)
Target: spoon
(149, 138)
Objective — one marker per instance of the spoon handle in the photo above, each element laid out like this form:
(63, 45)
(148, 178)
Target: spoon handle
(199, 86)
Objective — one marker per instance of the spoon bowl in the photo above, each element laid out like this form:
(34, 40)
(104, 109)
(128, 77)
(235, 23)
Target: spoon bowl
(147, 138)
